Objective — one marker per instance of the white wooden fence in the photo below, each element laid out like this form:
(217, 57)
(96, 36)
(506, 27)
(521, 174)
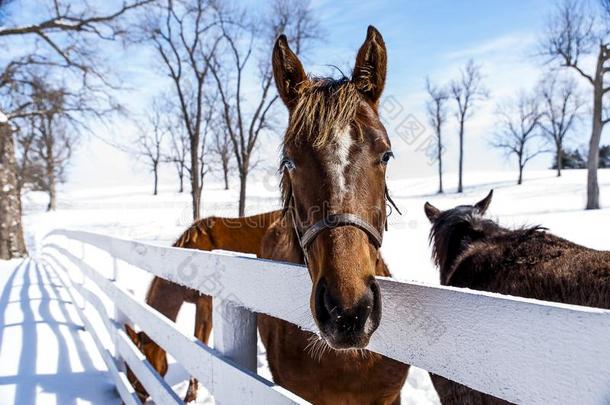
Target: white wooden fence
(522, 350)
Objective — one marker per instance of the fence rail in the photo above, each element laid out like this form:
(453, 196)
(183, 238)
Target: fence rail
(522, 350)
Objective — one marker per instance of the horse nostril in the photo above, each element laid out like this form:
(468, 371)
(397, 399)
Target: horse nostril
(322, 312)
(331, 306)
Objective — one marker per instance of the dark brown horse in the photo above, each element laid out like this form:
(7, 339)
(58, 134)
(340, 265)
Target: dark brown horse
(335, 154)
(234, 234)
(475, 252)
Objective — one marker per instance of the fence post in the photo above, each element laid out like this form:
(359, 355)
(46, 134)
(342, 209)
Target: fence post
(235, 333)
(119, 317)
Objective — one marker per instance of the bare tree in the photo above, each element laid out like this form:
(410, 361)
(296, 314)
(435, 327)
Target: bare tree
(244, 127)
(150, 141)
(64, 39)
(436, 107)
(519, 124)
(54, 139)
(560, 110)
(180, 143)
(221, 150)
(575, 32)
(28, 170)
(48, 133)
(467, 90)
(183, 35)
(63, 45)
(178, 153)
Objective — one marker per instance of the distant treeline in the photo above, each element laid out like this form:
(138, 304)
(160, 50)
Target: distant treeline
(573, 158)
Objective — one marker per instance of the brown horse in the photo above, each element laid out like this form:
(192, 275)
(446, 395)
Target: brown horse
(335, 153)
(333, 186)
(234, 234)
(475, 252)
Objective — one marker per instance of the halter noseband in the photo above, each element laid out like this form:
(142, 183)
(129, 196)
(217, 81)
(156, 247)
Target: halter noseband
(336, 221)
(306, 236)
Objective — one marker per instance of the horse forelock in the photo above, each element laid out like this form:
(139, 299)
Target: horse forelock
(330, 116)
(325, 108)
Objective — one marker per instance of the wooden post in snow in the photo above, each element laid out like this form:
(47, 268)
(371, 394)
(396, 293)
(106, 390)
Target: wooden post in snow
(235, 333)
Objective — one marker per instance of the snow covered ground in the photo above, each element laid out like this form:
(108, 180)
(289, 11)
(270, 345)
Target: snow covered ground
(131, 212)
(46, 356)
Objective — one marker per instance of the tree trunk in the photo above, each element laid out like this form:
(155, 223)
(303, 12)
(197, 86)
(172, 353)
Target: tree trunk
(50, 168)
(12, 244)
(461, 169)
(225, 170)
(520, 180)
(181, 178)
(52, 191)
(196, 199)
(440, 161)
(243, 178)
(156, 174)
(559, 160)
(195, 186)
(592, 165)
(596, 134)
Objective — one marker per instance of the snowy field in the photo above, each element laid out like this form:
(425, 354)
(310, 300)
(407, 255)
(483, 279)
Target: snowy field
(131, 212)
(46, 357)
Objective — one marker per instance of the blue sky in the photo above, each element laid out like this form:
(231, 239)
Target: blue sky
(424, 38)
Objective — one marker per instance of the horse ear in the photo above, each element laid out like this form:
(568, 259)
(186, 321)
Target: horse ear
(132, 335)
(431, 211)
(483, 205)
(287, 71)
(371, 66)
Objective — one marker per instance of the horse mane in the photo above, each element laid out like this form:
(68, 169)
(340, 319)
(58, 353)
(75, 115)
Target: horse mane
(325, 106)
(197, 230)
(455, 230)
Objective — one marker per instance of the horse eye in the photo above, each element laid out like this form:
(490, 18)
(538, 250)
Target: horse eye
(385, 158)
(287, 164)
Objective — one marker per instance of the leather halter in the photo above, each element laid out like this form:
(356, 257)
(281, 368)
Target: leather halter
(307, 235)
(336, 221)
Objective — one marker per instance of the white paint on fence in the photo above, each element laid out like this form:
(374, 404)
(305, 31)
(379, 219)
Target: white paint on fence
(223, 378)
(522, 350)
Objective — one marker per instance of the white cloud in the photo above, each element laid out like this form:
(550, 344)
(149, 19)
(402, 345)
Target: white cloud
(513, 43)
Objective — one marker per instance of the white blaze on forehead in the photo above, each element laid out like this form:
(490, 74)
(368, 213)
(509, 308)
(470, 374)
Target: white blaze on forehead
(337, 160)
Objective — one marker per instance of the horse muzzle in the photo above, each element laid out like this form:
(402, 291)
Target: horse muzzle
(347, 327)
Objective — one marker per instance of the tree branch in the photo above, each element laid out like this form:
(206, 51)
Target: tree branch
(65, 22)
